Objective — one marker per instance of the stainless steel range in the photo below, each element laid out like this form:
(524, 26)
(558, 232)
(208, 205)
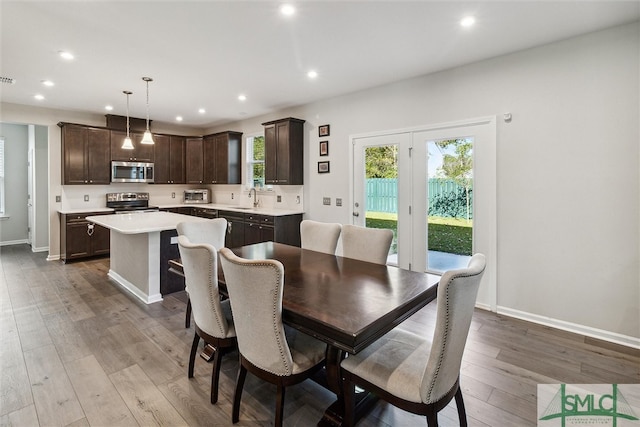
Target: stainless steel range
(129, 202)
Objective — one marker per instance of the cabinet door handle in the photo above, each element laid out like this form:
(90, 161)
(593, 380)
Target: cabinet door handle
(90, 229)
(229, 226)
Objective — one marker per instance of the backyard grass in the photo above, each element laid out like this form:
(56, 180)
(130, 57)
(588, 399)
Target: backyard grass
(451, 235)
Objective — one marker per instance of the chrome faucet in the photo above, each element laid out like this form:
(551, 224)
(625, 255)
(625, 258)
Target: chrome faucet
(255, 197)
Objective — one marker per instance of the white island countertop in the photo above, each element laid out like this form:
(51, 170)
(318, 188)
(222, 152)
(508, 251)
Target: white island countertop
(142, 222)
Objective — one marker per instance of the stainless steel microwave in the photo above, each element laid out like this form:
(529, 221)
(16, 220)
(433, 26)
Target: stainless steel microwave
(131, 172)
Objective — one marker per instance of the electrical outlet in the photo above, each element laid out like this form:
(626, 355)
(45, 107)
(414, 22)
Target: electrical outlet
(279, 198)
(326, 200)
(58, 199)
(298, 199)
(173, 195)
(231, 196)
(338, 202)
(86, 197)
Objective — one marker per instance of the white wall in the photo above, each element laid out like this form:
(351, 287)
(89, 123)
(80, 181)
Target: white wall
(568, 169)
(40, 237)
(568, 181)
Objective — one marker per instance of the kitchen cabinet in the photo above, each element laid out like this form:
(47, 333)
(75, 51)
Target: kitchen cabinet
(80, 238)
(194, 163)
(140, 153)
(205, 213)
(250, 228)
(183, 210)
(283, 146)
(235, 228)
(86, 155)
(258, 228)
(169, 159)
(222, 158)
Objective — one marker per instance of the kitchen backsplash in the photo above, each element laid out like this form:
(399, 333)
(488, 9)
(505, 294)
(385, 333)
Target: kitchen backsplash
(94, 196)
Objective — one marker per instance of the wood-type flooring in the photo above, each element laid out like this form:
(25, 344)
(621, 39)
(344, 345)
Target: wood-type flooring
(76, 350)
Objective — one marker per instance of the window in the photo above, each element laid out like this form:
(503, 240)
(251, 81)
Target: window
(2, 176)
(255, 161)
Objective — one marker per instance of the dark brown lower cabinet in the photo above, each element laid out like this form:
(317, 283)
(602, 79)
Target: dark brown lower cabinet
(80, 238)
(250, 228)
(169, 282)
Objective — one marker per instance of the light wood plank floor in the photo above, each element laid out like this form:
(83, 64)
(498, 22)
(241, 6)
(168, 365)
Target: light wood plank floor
(76, 350)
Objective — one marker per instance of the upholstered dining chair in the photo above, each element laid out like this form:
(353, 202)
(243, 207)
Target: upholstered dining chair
(212, 232)
(319, 236)
(420, 374)
(269, 352)
(366, 244)
(212, 317)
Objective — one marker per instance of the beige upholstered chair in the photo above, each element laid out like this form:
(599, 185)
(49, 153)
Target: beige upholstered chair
(212, 317)
(366, 244)
(319, 236)
(255, 289)
(420, 374)
(212, 232)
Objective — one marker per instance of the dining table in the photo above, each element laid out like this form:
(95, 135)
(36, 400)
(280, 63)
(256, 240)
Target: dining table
(344, 302)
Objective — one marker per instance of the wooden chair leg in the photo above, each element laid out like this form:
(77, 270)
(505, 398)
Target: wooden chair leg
(432, 419)
(192, 356)
(462, 414)
(215, 375)
(348, 396)
(187, 319)
(279, 405)
(242, 374)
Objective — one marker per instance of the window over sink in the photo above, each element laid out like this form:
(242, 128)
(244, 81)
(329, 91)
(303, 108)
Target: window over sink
(255, 162)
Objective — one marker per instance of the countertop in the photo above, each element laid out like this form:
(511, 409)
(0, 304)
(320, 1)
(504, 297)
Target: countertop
(142, 222)
(232, 208)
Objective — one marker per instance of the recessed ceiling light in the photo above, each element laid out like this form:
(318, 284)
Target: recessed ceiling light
(468, 21)
(48, 83)
(108, 107)
(242, 97)
(312, 74)
(39, 97)
(66, 55)
(179, 118)
(287, 9)
(202, 111)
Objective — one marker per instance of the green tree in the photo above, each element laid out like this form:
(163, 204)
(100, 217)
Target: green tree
(382, 162)
(459, 166)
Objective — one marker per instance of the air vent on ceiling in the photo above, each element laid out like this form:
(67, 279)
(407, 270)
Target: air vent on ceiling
(7, 80)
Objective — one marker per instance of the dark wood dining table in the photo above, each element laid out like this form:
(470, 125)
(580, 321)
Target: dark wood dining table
(344, 302)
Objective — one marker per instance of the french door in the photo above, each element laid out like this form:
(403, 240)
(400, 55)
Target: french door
(411, 151)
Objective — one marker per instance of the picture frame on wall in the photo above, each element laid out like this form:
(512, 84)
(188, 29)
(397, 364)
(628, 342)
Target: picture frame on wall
(323, 167)
(323, 130)
(324, 148)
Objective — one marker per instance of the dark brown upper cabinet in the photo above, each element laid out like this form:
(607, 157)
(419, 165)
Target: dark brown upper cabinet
(283, 144)
(222, 158)
(194, 162)
(86, 154)
(140, 153)
(169, 159)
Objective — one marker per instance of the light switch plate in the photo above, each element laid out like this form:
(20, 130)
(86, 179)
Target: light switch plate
(279, 198)
(338, 202)
(58, 199)
(326, 200)
(86, 197)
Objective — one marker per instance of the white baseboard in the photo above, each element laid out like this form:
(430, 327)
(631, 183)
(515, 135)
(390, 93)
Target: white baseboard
(133, 289)
(53, 257)
(13, 242)
(572, 327)
(42, 249)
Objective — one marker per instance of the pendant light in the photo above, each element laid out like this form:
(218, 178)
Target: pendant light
(127, 144)
(146, 138)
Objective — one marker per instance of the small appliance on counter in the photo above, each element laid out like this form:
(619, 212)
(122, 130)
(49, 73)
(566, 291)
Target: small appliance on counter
(196, 196)
(129, 202)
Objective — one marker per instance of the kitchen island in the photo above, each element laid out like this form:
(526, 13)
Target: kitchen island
(136, 248)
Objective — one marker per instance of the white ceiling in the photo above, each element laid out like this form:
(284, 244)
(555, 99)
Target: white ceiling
(204, 54)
